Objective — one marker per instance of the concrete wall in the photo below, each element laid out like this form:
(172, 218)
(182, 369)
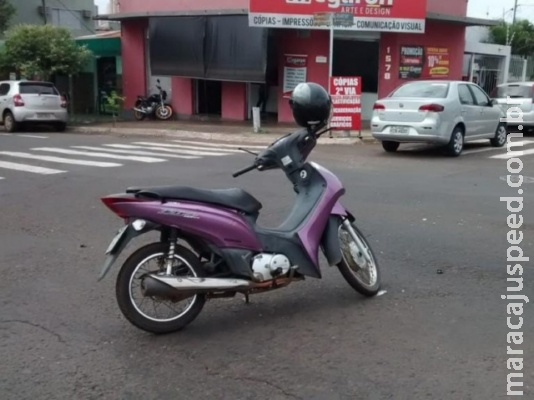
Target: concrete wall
(448, 7)
(68, 14)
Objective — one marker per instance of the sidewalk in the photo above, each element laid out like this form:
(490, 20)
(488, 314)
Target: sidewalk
(214, 130)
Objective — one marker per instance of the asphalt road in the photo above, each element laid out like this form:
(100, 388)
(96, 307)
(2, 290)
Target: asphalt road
(439, 331)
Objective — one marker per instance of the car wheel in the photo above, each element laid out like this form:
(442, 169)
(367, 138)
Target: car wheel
(9, 122)
(500, 136)
(456, 144)
(389, 146)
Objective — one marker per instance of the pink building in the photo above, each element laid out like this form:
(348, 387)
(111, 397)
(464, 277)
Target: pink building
(215, 55)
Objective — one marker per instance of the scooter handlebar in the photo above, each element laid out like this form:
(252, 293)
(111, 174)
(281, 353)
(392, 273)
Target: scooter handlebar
(244, 170)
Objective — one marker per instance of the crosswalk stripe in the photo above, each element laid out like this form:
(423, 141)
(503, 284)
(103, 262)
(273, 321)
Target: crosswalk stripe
(29, 168)
(225, 150)
(99, 155)
(474, 151)
(513, 154)
(208, 144)
(60, 159)
(148, 146)
(34, 136)
(141, 153)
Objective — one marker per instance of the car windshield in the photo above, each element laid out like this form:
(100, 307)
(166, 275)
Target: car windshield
(514, 91)
(37, 88)
(422, 89)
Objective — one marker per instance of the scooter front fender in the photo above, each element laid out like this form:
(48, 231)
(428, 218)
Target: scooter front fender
(330, 238)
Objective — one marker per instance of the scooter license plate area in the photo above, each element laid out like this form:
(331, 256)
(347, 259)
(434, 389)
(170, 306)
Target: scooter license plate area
(112, 246)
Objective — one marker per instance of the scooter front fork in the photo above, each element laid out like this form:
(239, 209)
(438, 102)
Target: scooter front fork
(356, 238)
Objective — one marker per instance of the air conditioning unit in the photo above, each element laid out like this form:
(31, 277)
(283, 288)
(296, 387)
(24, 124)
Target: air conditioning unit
(87, 13)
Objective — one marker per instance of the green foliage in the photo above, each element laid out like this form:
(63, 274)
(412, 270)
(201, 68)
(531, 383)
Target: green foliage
(114, 103)
(41, 51)
(6, 13)
(519, 35)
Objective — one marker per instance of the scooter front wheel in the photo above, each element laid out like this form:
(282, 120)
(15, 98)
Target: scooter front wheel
(358, 265)
(151, 313)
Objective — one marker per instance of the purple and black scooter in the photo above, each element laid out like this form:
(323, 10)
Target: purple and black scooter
(210, 244)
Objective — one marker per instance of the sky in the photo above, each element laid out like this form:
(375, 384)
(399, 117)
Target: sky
(492, 9)
(102, 6)
(495, 9)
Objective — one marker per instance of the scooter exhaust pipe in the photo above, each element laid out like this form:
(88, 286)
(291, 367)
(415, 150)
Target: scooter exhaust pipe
(139, 110)
(168, 286)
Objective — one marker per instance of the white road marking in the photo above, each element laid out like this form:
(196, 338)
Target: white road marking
(6, 134)
(205, 148)
(515, 153)
(148, 146)
(29, 168)
(60, 159)
(99, 155)
(140, 153)
(235, 146)
(34, 136)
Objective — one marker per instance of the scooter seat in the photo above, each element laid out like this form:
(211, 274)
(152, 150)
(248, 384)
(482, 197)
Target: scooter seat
(234, 198)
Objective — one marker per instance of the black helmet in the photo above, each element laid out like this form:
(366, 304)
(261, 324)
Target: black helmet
(311, 105)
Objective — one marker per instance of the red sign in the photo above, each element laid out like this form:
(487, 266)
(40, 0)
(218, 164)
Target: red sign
(363, 15)
(437, 62)
(346, 97)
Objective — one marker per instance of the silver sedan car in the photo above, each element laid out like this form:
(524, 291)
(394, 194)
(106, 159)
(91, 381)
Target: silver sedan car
(447, 113)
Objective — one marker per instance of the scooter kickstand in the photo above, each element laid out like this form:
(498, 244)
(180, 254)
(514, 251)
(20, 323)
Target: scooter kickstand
(247, 298)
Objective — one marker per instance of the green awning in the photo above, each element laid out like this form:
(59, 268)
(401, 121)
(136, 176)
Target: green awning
(105, 47)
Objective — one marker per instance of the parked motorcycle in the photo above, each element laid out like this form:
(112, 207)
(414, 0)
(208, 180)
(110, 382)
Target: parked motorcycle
(153, 105)
(210, 245)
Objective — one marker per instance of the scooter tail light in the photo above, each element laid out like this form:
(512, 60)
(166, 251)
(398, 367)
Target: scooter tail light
(114, 204)
(432, 108)
(378, 106)
(63, 102)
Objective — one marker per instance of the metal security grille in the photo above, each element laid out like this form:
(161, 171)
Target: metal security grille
(488, 71)
(517, 71)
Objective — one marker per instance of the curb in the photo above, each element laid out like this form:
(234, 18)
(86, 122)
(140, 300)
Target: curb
(177, 134)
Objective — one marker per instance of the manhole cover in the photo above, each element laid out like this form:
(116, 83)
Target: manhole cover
(515, 179)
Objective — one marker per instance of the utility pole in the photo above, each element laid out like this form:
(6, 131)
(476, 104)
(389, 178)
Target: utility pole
(44, 11)
(515, 11)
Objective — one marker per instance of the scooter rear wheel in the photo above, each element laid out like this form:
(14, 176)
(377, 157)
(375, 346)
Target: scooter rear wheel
(146, 313)
(362, 275)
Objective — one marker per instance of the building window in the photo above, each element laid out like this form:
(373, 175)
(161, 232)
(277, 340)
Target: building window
(70, 19)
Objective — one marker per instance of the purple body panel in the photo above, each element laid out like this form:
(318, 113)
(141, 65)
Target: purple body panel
(310, 234)
(222, 227)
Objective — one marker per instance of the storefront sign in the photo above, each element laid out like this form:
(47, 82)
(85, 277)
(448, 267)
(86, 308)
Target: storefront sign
(419, 62)
(295, 72)
(437, 62)
(411, 62)
(357, 15)
(346, 97)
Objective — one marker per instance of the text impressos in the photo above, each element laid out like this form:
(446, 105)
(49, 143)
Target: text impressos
(346, 99)
(365, 15)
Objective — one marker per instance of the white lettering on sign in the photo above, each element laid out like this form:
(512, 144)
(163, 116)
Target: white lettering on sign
(339, 3)
(346, 82)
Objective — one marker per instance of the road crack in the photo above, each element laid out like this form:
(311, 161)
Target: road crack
(19, 321)
(256, 380)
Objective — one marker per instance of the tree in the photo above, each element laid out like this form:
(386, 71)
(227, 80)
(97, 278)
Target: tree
(41, 51)
(6, 13)
(519, 35)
